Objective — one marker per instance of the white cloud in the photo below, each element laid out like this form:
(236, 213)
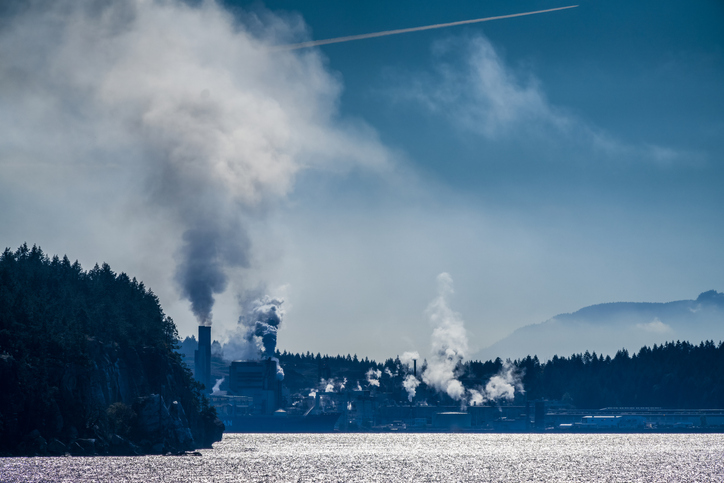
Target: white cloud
(484, 95)
(655, 326)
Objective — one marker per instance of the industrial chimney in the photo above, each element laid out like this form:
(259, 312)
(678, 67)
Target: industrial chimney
(202, 357)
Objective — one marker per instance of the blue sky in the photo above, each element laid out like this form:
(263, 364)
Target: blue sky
(546, 162)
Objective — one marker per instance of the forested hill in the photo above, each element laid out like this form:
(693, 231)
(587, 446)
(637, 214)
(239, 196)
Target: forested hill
(85, 358)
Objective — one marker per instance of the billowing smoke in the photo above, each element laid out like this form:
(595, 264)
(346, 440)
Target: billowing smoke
(333, 385)
(265, 317)
(208, 251)
(449, 343)
(256, 333)
(180, 113)
(504, 384)
(373, 377)
(410, 384)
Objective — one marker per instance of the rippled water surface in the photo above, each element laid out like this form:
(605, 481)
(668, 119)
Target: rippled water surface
(405, 457)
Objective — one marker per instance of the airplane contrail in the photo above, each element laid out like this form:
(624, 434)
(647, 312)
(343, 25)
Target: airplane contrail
(314, 43)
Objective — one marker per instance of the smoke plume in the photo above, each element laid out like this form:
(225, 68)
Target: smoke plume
(373, 377)
(410, 384)
(265, 317)
(181, 112)
(333, 385)
(208, 251)
(504, 384)
(449, 343)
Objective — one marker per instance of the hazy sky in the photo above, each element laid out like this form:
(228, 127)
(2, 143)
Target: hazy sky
(545, 163)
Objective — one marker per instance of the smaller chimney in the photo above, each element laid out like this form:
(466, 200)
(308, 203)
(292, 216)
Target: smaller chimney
(414, 367)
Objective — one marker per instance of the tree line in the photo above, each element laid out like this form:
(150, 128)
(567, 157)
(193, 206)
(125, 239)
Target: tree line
(671, 375)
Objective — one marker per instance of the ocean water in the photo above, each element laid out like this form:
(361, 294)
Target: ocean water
(404, 457)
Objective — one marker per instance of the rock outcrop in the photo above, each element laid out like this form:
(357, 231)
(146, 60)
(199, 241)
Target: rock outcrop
(86, 359)
(124, 402)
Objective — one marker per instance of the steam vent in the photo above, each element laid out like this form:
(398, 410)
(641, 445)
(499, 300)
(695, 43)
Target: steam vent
(202, 358)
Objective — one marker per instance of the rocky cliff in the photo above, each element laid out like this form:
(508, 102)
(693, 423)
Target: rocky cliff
(121, 402)
(88, 365)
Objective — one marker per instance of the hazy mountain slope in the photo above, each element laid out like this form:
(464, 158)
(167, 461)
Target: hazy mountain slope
(606, 328)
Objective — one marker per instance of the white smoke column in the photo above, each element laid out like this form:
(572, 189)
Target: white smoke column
(373, 377)
(449, 342)
(280, 371)
(410, 384)
(475, 397)
(216, 391)
(182, 106)
(504, 384)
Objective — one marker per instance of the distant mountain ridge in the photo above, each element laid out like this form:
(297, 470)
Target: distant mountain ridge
(608, 327)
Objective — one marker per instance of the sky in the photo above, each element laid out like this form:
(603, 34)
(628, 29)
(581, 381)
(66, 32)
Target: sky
(545, 163)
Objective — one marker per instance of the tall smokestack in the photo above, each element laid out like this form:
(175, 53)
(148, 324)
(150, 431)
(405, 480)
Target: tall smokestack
(414, 367)
(202, 357)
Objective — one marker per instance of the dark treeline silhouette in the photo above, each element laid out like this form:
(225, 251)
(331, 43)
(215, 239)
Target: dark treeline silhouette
(671, 375)
(304, 371)
(73, 343)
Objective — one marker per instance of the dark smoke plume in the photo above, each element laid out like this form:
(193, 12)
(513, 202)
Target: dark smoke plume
(267, 317)
(206, 252)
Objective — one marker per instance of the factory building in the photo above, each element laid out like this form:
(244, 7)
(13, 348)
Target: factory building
(257, 380)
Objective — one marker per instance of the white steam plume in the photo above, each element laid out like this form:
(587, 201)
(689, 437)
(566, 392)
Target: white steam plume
(504, 384)
(410, 384)
(181, 103)
(373, 377)
(449, 343)
(333, 385)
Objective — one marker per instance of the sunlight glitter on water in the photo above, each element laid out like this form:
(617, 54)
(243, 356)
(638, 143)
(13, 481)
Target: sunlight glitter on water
(405, 457)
